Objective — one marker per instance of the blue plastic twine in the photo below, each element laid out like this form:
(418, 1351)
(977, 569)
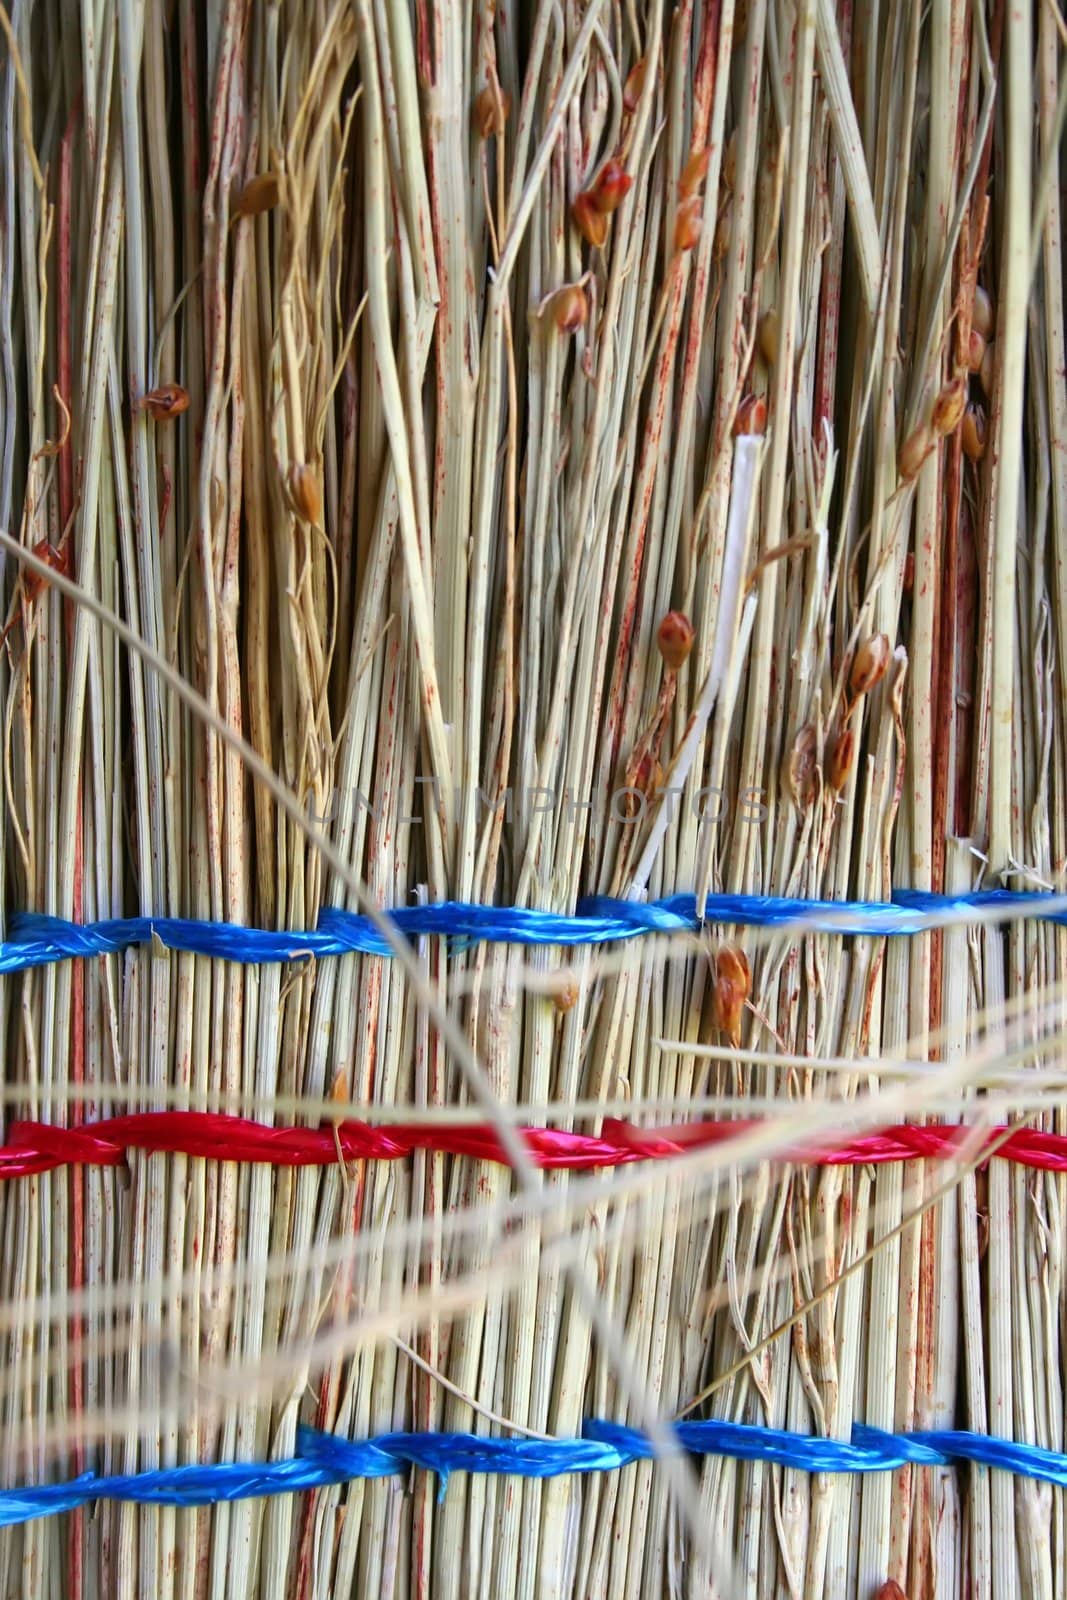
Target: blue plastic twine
(35, 940)
(324, 1459)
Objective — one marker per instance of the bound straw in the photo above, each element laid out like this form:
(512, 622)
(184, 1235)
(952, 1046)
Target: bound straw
(36, 940)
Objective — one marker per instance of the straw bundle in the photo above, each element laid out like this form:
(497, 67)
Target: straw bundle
(375, 379)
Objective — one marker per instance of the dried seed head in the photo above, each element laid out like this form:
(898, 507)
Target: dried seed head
(693, 173)
(840, 763)
(973, 433)
(724, 230)
(339, 1096)
(949, 407)
(976, 348)
(870, 663)
(259, 194)
(570, 308)
(914, 451)
(674, 637)
(645, 775)
(767, 337)
(58, 560)
(565, 992)
(305, 493)
(491, 109)
(800, 767)
(169, 400)
(635, 82)
(591, 223)
(733, 983)
(729, 163)
(613, 183)
(985, 372)
(751, 415)
(982, 312)
(687, 224)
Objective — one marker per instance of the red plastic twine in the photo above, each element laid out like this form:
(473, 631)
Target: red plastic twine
(35, 1147)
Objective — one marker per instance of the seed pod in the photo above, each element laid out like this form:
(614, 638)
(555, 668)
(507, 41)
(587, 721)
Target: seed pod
(305, 493)
(259, 194)
(841, 757)
(870, 663)
(591, 223)
(169, 400)
(751, 416)
(674, 637)
(767, 337)
(570, 308)
(976, 349)
(914, 451)
(973, 433)
(491, 112)
(985, 372)
(565, 992)
(693, 173)
(982, 312)
(635, 82)
(613, 183)
(949, 407)
(733, 983)
(687, 224)
(800, 767)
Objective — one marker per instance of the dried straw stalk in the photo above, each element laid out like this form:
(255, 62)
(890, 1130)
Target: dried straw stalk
(445, 467)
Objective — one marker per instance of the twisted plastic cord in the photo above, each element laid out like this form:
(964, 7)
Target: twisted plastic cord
(323, 1459)
(36, 940)
(36, 1147)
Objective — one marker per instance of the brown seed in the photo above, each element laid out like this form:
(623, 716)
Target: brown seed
(909, 572)
(949, 407)
(491, 109)
(591, 223)
(169, 400)
(767, 337)
(840, 763)
(570, 308)
(687, 224)
(565, 992)
(724, 230)
(800, 768)
(985, 372)
(635, 82)
(976, 348)
(982, 312)
(674, 637)
(693, 173)
(914, 451)
(870, 663)
(259, 194)
(613, 183)
(973, 433)
(751, 416)
(733, 983)
(305, 493)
